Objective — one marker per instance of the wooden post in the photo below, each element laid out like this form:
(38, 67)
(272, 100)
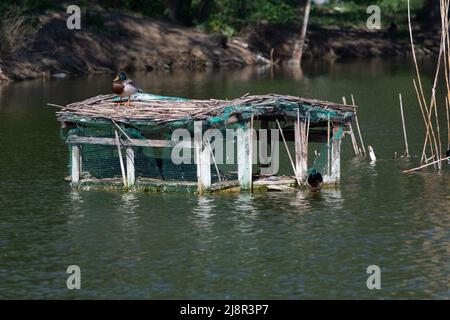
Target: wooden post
(448, 122)
(243, 158)
(335, 175)
(205, 169)
(301, 145)
(328, 147)
(203, 159)
(75, 164)
(404, 128)
(119, 151)
(130, 167)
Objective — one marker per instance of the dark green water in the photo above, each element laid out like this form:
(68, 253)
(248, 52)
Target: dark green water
(267, 245)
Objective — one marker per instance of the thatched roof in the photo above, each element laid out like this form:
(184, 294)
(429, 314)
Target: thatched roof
(148, 109)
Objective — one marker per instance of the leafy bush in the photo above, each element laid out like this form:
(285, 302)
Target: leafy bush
(231, 15)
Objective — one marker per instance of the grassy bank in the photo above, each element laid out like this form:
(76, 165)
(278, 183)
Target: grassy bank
(141, 35)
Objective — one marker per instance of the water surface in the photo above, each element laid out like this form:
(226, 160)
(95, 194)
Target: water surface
(266, 245)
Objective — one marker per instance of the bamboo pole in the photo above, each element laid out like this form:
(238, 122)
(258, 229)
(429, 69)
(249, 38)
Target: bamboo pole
(352, 134)
(438, 132)
(288, 152)
(422, 96)
(424, 156)
(404, 127)
(425, 165)
(250, 153)
(432, 135)
(214, 161)
(448, 123)
(122, 168)
(299, 141)
(357, 125)
(328, 148)
(307, 136)
(414, 56)
(118, 127)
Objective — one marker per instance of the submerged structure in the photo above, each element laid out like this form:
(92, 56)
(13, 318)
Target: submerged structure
(174, 144)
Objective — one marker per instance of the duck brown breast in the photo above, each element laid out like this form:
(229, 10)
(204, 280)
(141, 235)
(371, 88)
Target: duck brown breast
(117, 87)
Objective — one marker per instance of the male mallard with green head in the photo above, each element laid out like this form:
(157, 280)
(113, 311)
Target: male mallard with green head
(123, 87)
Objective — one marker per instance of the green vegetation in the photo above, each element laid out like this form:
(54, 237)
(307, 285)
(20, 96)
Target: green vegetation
(233, 15)
(354, 13)
(18, 23)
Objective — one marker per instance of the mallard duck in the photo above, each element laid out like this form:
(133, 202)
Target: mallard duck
(123, 87)
(314, 181)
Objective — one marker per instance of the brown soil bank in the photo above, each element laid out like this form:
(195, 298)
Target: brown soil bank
(110, 40)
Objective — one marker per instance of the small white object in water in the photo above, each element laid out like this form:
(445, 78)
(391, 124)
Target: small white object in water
(59, 75)
(372, 156)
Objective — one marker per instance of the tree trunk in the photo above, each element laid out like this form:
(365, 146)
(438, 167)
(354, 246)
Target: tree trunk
(204, 9)
(179, 10)
(298, 50)
(430, 15)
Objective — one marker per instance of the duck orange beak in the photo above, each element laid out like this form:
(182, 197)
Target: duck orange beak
(116, 78)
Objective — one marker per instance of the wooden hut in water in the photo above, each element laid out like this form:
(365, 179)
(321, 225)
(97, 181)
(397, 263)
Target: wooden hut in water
(112, 145)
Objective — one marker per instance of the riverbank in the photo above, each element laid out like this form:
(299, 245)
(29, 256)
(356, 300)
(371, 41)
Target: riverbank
(112, 40)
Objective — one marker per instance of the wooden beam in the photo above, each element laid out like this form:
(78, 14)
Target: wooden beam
(243, 157)
(75, 164)
(130, 167)
(135, 142)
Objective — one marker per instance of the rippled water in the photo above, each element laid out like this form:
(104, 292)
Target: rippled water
(265, 245)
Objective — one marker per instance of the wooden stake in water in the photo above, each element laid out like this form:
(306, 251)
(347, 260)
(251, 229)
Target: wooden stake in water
(352, 134)
(404, 127)
(357, 126)
(328, 148)
(448, 124)
(426, 165)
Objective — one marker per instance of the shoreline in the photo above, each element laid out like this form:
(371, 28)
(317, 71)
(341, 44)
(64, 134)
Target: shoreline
(125, 41)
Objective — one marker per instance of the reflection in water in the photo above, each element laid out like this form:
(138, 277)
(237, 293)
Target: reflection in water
(333, 198)
(77, 213)
(203, 213)
(129, 219)
(245, 213)
(129, 204)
